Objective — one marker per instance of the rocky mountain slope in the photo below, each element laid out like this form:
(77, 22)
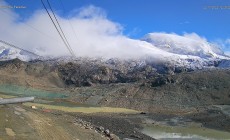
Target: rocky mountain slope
(179, 73)
(122, 84)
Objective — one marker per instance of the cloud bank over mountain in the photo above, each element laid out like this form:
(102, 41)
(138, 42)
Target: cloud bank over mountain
(96, 36)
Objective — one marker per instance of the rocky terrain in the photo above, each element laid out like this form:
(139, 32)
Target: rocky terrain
(158, 90)
(130, 84)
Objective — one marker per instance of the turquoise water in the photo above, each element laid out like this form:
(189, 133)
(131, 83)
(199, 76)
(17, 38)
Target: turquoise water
(28, 91)
(68, 104)
(164, 132)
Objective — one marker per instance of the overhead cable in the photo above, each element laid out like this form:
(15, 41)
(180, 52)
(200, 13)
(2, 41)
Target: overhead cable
(69, 20)
(69, 47)
(11, 45)
(57, 29)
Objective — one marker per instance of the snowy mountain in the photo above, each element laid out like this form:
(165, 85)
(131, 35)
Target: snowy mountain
(188, 51)
(184, 45)
(8, 53)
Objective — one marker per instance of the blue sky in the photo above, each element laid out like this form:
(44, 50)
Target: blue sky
(209, 19)
(139, 17)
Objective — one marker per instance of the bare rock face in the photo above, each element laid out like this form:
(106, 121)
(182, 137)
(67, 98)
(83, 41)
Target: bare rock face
(162, 80)
(87, 73)
(92, 72)
(37, 74)
(12, 65)
(82, 72)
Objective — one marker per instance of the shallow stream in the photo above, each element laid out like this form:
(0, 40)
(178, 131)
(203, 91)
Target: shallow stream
(28, 91)
(179, 129)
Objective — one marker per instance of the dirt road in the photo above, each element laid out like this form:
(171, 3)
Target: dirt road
(22, 123)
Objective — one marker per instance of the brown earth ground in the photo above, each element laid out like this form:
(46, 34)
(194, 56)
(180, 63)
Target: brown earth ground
(18, 122)
(48, 122)
(189, 95)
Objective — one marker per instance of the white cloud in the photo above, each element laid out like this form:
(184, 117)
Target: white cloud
(90, 12)
(97, 36)
(227, 53)
(195, 36)
(223, 44)
(186, 44)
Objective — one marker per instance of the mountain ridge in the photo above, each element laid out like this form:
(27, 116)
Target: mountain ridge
(188, 51)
